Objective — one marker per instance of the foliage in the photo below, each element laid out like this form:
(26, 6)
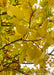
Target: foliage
(26, 31)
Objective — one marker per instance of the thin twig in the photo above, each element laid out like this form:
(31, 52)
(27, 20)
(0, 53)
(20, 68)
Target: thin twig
(30, 6)
(38, 46)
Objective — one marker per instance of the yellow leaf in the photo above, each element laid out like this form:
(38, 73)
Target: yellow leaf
(34, 53)
(43, 30)
(15, 11)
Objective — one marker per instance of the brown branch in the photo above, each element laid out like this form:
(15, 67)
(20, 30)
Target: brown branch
(50, 20)
(10, 43)
(4, 13)
(18, 40)
(6, 24)
(23, 72)
(16, 4)
(27, 63)
(31, 17)
(51, 53)
(30, 6)
(10, 63)
(32, 40)
(38, 46)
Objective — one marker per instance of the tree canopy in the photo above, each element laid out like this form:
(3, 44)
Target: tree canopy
(26, 32)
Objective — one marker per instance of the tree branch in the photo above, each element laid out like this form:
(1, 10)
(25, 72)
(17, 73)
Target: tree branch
(32, 40)
(30, 6)
(6, 24)
(51, 20)
(10, 43)
(16, 4)
(23, 73)
(4, 13)
(31, 17)
(18, 40)
(38, 46)
(51, 53)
